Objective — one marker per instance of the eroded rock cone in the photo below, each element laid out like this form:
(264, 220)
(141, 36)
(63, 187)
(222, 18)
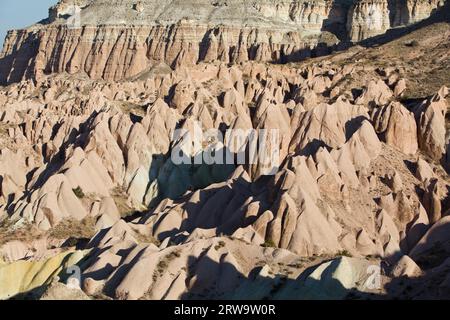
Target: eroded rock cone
(431, 125)
(397, 127)
(90, 172)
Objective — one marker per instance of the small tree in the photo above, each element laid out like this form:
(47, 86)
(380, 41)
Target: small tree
(78, 192)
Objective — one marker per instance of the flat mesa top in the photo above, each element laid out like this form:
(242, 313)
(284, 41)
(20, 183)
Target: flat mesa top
(259, 13)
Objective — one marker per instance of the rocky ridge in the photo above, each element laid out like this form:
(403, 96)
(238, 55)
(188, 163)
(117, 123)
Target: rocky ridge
(362, 181)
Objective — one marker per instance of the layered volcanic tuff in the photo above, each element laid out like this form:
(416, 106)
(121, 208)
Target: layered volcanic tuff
(88, 181)
(115, 40)
(368, 18)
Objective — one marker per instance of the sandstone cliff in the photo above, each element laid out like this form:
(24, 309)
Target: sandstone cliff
(88, 177)
(121, 39)
(368, 18)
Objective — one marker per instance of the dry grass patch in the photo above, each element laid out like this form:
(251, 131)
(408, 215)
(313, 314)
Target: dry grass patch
(71, 228)
(147, 239)
(26, 233)
(120, 197)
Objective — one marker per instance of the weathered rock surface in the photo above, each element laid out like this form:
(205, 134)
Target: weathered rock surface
(368, 18)
(356, 196)
(25, 276)
(397, 126)
(431, 125)
(121, 39)
(60, 291)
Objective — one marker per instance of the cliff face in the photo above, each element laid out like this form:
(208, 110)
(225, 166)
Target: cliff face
(229, 178)
(114, 53)
(119, 39)
(368, 18)
(420, 9)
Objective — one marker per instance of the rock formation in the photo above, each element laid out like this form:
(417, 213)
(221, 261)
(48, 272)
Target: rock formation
(77, 31)
(106, 176)
(368, 18)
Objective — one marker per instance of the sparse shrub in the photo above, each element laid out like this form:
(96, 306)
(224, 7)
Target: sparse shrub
(412, 43)
(78, 192)
(120, 196)
(269, 244)
(344, 253)
(220, 245)
(147, 239)
(162, 265)
(71, 242)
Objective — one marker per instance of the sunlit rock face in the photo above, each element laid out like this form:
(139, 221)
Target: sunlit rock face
(115, 40)
(101, 102)
(368, 18)
(118, 39)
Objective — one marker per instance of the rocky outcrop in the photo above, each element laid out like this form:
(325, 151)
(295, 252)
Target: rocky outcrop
(133, 50)
(156, 181)
(96, 157)
(416, 10)
(368, 18)
(333, 280)
(431, 125)
(397, 127)
(96, 39)
(60, 291)
(65, 8)
(172, 34)
(25, 276)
